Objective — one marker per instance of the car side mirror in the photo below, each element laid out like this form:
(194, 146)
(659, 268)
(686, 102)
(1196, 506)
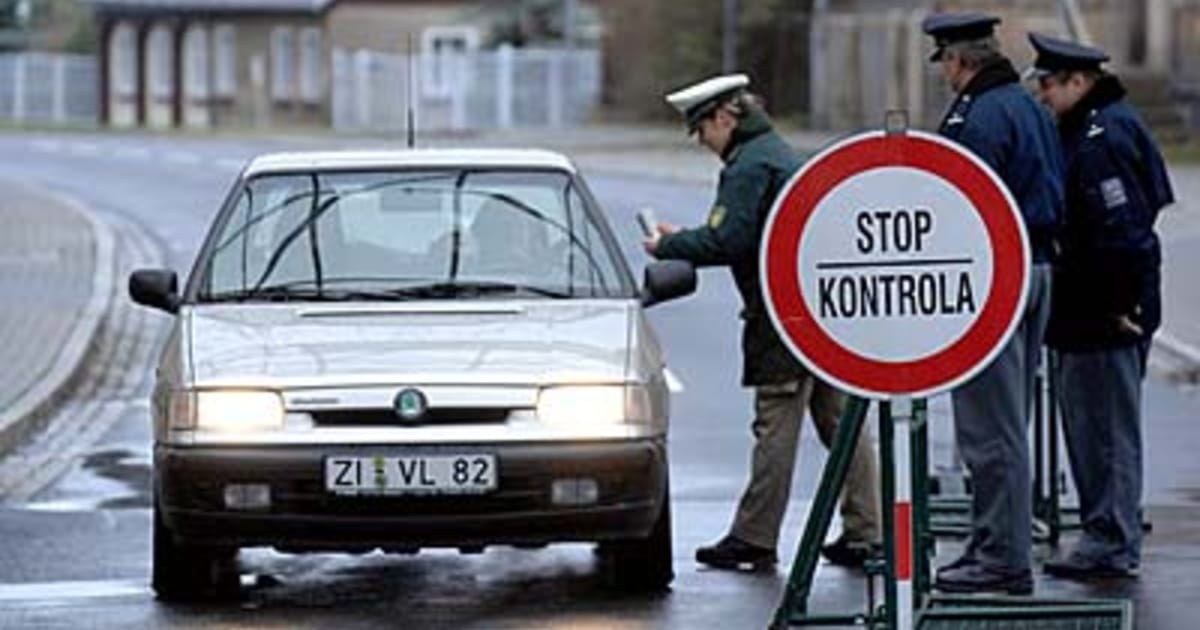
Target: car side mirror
(666, 280)
(156, 288)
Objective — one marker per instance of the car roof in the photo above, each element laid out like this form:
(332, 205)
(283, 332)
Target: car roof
(413, 158)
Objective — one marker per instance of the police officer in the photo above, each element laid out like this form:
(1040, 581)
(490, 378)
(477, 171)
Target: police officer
(994, 117)
(1106, 298)
(729, 122)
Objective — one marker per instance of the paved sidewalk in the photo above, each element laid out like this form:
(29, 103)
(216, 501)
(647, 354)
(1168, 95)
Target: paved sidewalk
(1179, 229)
(55, 286)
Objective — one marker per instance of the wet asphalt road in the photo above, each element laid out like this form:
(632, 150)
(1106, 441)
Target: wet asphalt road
(74, 549)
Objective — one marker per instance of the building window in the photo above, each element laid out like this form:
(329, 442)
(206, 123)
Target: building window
(443, 58)
(123, 63)
(310, 65)
(196, 62)
(160, 59)
(283, 63)
(225, 61)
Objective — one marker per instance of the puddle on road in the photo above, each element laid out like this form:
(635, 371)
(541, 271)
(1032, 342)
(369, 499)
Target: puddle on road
(113, 479)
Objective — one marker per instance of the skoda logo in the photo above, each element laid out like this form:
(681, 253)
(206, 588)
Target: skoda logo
(410, 405)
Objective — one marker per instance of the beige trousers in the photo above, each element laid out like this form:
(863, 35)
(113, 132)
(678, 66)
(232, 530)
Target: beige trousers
(779, 411)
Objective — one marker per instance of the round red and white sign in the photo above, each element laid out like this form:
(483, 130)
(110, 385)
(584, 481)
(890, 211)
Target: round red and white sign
(895, 264)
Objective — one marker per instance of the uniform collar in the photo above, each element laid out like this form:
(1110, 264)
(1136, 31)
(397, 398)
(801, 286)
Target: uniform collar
(991, 76)
(753, 125)
(1107, 90)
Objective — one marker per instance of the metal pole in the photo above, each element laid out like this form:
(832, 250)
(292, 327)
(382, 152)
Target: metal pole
(563, 66)
(504, 86)
(570, 24)
(18, 93)
(887, 487)
(1054, 518)
(729, 36)
(1039, 441)
(922, 541)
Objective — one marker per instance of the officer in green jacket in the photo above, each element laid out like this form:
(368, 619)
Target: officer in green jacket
(728, 121)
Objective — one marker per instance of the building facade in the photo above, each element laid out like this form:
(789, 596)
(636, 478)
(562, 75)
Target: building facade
(238, 63)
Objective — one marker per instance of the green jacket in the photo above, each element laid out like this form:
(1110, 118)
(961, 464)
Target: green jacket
(757, 164)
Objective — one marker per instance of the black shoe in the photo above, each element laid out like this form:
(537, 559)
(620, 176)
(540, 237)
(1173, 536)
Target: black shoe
(849, 553)
(1076, 566)
(962, 561)
(971, 577)
(732, 554)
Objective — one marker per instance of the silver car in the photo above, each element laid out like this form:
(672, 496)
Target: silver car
(399, 350)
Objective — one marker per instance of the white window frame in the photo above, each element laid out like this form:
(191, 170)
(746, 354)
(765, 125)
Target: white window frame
(283, 63)
(443, 71)
(310, 64)
(224, 58)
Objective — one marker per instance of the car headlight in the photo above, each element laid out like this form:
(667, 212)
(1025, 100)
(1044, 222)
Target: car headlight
(230, 410)
(589, 405)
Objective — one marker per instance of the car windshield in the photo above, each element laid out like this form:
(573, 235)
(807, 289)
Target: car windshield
(410, 234)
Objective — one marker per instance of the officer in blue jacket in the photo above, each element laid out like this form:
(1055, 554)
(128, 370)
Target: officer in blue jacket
(994, 117)
(1105, 300)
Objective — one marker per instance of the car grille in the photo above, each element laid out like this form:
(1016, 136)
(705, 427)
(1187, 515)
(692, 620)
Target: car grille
(387, 417)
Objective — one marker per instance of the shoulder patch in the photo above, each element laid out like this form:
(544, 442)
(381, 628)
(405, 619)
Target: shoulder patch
(1113, 191)
(716, 216)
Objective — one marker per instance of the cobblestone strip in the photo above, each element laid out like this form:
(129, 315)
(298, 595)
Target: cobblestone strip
(71, 353)
(116, 378)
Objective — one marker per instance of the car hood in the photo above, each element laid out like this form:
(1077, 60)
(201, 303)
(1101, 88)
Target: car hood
(313, 345)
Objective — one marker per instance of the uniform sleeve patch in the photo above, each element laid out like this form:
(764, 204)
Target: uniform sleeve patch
(1114, 192)
(716, 217)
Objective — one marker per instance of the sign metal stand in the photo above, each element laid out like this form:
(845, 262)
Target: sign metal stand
(874, 169)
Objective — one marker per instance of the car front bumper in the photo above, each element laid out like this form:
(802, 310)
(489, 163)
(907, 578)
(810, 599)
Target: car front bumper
(190, 483)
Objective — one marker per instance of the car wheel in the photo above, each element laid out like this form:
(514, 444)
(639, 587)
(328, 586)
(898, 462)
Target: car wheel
(643, 564)
(182, 572)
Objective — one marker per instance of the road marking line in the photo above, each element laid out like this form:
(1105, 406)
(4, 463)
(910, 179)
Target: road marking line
(69, 590)
(1178, 348)
(674, 385)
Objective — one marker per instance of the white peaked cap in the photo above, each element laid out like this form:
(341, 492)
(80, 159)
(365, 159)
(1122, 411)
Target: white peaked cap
(695, 100)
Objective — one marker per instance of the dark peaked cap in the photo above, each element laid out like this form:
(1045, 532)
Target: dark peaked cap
(948, 28)
(1060, 55)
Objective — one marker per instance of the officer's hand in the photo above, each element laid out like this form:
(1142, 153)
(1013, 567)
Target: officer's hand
(650, 244)
(1129, 327)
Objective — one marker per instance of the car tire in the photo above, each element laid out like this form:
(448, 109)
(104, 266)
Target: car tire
(643, 564)
(185, 573)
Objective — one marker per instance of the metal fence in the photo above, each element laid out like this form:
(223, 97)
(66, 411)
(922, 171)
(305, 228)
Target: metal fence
(498, 89)
(41, 88)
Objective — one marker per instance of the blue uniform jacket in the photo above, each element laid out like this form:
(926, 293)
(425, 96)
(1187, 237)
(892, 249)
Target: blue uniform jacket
(1000, 122)
(1116, 184)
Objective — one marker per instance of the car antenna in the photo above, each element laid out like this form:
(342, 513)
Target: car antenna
(411, 114)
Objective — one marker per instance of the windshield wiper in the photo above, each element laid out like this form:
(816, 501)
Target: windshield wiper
(277, 293)
(307, 291)
(459, 289)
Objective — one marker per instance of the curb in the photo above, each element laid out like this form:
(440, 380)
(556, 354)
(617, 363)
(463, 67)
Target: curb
(1184, 357)
(36, 404)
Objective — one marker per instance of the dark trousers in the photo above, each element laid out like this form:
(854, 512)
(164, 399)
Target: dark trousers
(1100, 394)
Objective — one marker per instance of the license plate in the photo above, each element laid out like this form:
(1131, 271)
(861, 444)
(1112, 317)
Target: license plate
(411, 474)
